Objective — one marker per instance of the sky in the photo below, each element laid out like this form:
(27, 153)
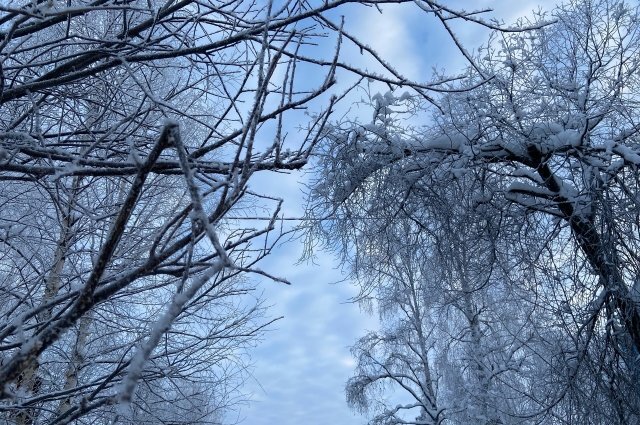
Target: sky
(301, 367)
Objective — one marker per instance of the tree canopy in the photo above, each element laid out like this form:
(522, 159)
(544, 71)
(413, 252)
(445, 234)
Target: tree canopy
(513, 210)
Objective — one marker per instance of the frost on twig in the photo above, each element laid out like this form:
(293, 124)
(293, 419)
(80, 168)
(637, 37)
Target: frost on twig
(174, 309)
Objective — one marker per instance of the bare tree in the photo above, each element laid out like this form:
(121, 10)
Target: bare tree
(129, 133)
(550, 143)
(399, 356)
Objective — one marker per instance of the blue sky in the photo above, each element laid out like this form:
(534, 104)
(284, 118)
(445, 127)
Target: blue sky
(304, 361)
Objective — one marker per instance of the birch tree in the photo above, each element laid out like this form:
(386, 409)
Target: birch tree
(549, 138)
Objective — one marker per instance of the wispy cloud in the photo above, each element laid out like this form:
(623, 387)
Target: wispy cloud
(304, 362)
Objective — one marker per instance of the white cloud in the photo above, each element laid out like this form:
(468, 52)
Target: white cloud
(305, 361)
(389, 34)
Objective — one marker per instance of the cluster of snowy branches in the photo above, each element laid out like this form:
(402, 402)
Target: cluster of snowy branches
(499, 241)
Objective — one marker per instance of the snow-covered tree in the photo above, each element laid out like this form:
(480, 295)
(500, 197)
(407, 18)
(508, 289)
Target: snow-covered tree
(545, 149)
(398, 356)
(456, 342)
